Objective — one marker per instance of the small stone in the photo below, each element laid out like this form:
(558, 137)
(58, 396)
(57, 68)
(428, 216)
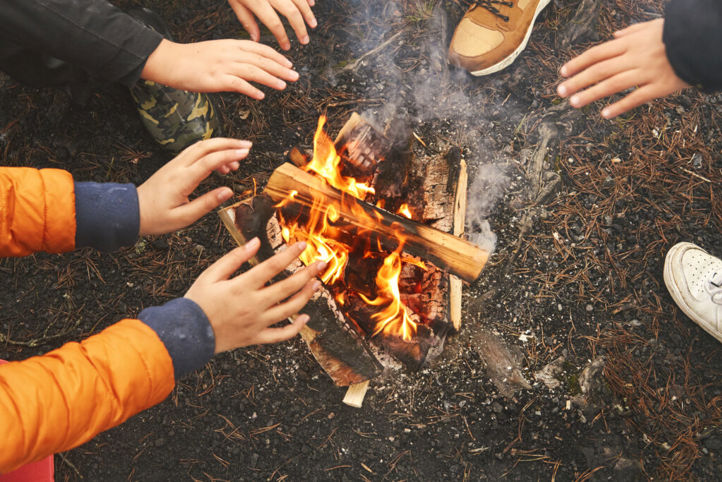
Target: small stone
(590, 308)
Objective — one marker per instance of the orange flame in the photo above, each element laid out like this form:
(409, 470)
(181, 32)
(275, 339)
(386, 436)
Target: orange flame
(324, 244)
(326, 163)
(405, 211)
(395, 318)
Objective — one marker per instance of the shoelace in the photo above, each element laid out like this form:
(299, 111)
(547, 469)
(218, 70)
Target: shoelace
(490, 5)
(714, 288)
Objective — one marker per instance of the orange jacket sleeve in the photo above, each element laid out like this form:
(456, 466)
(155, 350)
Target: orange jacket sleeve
(60, 400)
(37, 211)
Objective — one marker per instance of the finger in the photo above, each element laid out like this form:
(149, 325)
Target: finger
(268, 65)
(610, 86)
(292, 305)
(261, 274)
(191, 212)
(270, 19)
(595, 74)
(281, 290)
(634, 99)
(275, 335)
(229, 263)
(264, 51)
(289, 9)
(237, 84)
(197, 151)
(604, 51)
(252, 73)
(311, 3)
(247, 19)
(202, 167)
(305, 7)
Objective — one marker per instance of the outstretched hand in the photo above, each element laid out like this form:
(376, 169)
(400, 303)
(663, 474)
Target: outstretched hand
(163, 198)
(219, 66)
(241, 309)
(636, 58)
(297, 12)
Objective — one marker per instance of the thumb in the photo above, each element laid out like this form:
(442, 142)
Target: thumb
(191, 212)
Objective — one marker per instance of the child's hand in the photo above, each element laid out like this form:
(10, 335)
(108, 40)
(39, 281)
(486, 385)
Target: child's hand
(242, 309)
(219, 66)
(636, 58)
(163, 198)
(296, 11)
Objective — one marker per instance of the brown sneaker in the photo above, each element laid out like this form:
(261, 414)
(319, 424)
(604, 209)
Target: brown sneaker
(493, 33)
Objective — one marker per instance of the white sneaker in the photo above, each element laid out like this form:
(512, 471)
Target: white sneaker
(694, 279)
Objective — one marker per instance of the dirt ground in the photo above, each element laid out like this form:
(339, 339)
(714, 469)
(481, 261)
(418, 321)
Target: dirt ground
(572, 363)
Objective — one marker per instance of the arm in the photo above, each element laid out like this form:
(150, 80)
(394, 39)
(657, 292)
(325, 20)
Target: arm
(62, 399)
(92, 34)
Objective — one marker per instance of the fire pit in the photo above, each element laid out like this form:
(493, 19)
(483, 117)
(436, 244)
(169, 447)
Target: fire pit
(388, 224)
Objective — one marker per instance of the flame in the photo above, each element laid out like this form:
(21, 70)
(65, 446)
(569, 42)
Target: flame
(326, 162)
(395, 317)
(325, 242)
(404, 210)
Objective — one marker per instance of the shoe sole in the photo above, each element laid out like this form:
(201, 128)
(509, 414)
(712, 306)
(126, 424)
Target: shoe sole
(506, 62)
(676, 294)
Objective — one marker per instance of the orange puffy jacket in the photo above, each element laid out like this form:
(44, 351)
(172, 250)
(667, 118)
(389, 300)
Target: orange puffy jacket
(60, 400)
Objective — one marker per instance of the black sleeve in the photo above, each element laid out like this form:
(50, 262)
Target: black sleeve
(92, 34)
(693, 41)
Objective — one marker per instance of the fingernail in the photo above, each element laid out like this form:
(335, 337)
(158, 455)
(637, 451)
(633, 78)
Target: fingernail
(563, 70)
(260, 96)
(293, 76)
(245, 144)
(224, 194)
(235, 165)
(606, 113)
(301, 245)
(316, 285)
(305, 39)
(303, 319)
(562, 90)
(321, 265)
(313, 22)
(280, 85)
(253, 243)
(574, 100)
(241, 152)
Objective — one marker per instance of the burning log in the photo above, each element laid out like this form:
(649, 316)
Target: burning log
(379, 282)
(445, 250)
(340, 351)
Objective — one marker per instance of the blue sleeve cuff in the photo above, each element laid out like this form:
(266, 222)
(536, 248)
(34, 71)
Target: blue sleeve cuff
(185, 331)
(107, 215)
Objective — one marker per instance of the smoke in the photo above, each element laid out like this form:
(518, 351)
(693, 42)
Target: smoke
(404, 49)
(484, 192)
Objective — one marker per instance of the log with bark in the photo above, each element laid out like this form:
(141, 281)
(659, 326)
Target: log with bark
(340, 351)
(445, 250)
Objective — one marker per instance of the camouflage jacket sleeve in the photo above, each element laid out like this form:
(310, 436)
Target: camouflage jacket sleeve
(693, 39)
(92, 34)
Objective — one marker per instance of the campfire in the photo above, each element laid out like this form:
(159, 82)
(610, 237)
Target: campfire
(388, 224)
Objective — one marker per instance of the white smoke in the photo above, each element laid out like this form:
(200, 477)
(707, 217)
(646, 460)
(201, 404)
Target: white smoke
(432, 91)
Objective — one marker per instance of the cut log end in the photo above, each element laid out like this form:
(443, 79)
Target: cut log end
(355, 394)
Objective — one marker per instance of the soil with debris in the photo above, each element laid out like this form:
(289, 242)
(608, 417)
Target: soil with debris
(572, 363)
